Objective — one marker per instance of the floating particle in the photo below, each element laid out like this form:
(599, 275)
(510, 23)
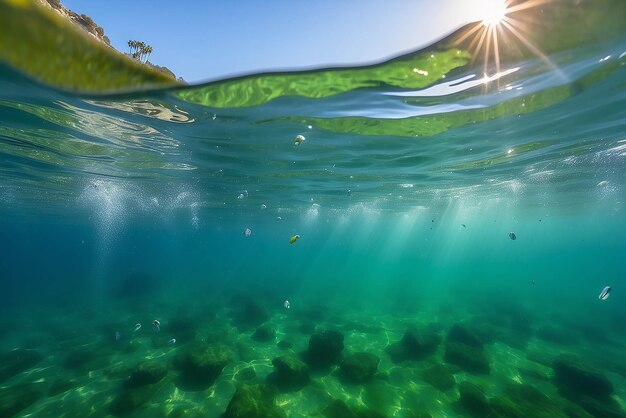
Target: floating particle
(156, 325)
(247, 232)
(463, 225)
(172, 341)
(603, 183)
(294, 239)
(349, 192)
(604, 295)
(286, 304)
(137, 327)
(263, 206)
(512, 236)
(278, 219)
(299, 139)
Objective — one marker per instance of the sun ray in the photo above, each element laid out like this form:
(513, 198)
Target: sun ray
(526, 5)
(469, 32)
(496, 52)
(499, 35)
(532, 47)
(487, 45)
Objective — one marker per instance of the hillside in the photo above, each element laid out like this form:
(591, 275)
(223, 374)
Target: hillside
(82, 21)
(88, 25)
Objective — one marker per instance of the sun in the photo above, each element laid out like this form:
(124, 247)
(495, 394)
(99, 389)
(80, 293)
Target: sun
(498, 25)
(493, 13)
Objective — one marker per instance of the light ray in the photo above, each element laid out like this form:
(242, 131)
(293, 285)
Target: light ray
(532, 47)
(486, 39)
(526, 5)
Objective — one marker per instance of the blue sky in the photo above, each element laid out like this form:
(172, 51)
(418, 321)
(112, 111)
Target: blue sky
(207, 40)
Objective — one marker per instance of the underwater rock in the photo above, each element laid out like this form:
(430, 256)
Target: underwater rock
(130, 400)
(471, 359)
(16, 361)
(254, 401)
(339, 409)
(520, 401)
(249, 313)
(414, 346)
(61, 385)
(472, 400)
(285, 345)
(575, 380)
(460, 334)
(325, 348)
(359, 367)
(247, 373)
(290, 373)
(147, 373)
(200, 366)
(440, 377)
(264, 333)
(14, 399)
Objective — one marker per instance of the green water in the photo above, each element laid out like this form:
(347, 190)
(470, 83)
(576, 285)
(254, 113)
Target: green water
(406, 295)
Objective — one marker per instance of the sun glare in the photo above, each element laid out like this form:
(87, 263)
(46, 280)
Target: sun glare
(499, 28)
(493, 12)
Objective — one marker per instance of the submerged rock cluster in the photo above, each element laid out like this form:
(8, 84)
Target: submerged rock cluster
(255, 366)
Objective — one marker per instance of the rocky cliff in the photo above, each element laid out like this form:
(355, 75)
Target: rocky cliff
(82, 21)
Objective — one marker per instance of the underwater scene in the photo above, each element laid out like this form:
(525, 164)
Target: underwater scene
(441, 234)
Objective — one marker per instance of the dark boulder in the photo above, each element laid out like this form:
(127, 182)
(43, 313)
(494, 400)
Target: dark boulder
(147, 373)
(472, 400)
(471, 359)
(576, 380)
(249, 313)
(414, 346)
(264, 333)
(440, 377)
(460, 334)
(130, 400)
(359, 367)
(290, 373)
(325, 348)
(200, 366)
(254, 401)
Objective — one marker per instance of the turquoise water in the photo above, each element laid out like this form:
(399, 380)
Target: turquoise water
(119, 210)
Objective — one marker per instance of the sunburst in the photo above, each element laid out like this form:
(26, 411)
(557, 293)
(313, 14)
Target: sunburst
(499, 29)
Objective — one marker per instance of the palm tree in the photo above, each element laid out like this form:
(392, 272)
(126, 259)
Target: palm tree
(139, 50)
(148, 51)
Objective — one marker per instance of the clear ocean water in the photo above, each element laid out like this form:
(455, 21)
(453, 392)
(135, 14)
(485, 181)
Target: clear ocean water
(118, 210)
